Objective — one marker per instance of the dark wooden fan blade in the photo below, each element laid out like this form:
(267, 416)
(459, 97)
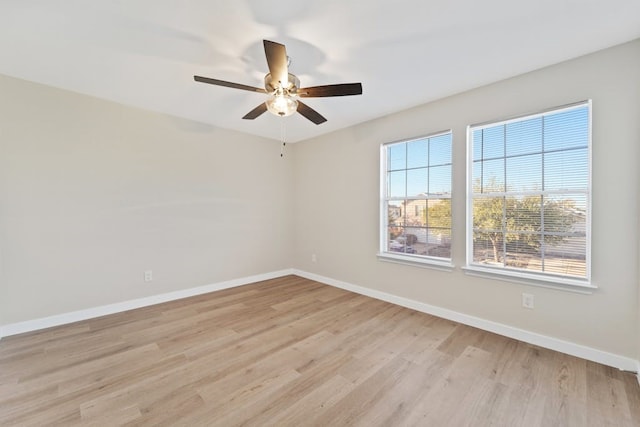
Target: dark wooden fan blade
(256, 112)
(345, 89)
(310, 113)
(228, 84)
(276, 55)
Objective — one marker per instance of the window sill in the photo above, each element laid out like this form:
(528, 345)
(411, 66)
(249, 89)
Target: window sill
(415, 261)
(560, 283)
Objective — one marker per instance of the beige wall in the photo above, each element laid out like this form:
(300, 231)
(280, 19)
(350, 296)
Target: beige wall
(93, 193)
(337, 203)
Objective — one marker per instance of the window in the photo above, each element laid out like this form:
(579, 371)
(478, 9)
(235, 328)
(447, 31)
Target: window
(529, 196)
(416, 200)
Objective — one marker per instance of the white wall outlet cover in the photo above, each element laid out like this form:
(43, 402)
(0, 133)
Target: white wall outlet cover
(527, 301)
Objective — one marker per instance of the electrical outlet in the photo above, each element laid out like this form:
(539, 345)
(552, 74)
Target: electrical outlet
(148, 275)
(527, 301)
(314, 258)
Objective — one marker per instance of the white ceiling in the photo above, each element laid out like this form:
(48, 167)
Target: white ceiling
(144, 53)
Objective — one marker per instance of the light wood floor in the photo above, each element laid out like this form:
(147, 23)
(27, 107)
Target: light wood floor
(293, 352)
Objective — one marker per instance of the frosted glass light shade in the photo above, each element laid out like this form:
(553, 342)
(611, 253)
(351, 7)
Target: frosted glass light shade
(282, 105)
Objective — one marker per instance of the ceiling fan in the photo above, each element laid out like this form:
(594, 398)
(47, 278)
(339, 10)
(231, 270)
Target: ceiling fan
(284, 89)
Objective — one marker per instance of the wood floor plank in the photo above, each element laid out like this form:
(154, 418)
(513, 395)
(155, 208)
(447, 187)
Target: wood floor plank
(19, 411)
(402, 397)
(460, 386)
(609, 396)
(314, 374)
(366, 395)
(294, 352)
(321, 399)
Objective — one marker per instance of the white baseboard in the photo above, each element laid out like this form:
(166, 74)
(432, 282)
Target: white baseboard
(573, 349)
(90, 313)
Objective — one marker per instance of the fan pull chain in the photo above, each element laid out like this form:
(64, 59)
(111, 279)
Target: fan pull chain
(282, 137)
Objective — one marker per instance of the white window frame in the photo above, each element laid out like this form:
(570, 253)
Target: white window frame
(425, 261)
(520, 276)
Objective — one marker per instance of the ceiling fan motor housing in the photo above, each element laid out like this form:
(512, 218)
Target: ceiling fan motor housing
(290, 88)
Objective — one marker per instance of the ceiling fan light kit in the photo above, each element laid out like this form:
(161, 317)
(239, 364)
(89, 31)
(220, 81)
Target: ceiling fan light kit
(283, 89)
(281, 105)
(282, 100)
